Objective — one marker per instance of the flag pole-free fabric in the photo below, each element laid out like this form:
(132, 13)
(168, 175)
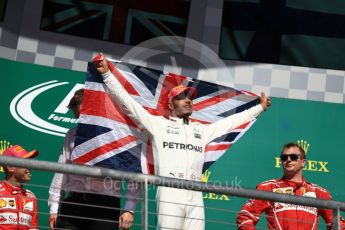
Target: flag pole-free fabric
(108, 137)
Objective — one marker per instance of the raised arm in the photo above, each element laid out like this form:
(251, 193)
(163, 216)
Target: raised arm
(222, 126)
(114, 87)
(265, 101)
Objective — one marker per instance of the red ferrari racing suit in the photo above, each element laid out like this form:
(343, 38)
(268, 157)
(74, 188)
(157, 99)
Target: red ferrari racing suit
(179, 151)
(283, 215)
(18, 208)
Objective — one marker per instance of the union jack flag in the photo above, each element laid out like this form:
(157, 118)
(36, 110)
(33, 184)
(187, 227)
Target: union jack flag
(122, 21)
(280, 31)
(107, 137)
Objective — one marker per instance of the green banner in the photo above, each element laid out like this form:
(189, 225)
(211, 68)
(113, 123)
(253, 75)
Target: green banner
(254, 158)
(34, 115)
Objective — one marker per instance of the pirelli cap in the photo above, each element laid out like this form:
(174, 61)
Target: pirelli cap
(177, 90)
(19, 152)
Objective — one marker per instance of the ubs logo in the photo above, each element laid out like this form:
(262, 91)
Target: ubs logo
(21, 109)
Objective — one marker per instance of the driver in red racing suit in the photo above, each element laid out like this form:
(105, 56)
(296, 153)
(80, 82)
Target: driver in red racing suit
(18, 206)
(284, 215)
(178, 146)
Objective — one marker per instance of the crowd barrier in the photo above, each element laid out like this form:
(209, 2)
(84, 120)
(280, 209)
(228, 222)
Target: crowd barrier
(144, 181)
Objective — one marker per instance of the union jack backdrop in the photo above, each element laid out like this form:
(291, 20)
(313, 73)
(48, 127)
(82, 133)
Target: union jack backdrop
(2, 9)
(303, 33)
(121, 21)
(107, 137)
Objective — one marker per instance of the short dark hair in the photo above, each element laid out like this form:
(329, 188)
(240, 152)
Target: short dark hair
(293, 144)
(76, 99)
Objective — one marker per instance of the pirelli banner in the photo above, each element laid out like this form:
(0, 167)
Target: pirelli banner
(33, 113)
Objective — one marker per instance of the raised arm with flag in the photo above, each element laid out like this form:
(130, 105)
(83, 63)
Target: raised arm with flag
(155, 123)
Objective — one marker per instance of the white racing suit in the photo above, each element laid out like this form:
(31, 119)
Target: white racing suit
(178, 151)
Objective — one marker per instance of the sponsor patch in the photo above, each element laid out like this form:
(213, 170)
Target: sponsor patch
(29, 206)
(287, 190)
(280, 207)
(174, 145)
(197, 133)
(11, 203)
(194, 177)
(3, 203)
(8, 203)
(310, 194)
(171, 131)
(25, 219)
(12, 218)
(303, 190)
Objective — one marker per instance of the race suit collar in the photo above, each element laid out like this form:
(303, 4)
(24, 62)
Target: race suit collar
(14, 189)
(294, 184)
(180, 120)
